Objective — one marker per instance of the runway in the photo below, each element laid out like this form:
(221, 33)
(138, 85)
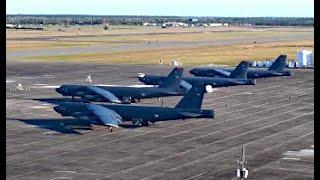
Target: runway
(273, 119)
(153, 45)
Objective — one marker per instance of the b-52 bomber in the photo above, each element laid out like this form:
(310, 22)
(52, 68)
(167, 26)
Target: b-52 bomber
(123, 94)
(276, 69)
(112, 115)
(237, 77)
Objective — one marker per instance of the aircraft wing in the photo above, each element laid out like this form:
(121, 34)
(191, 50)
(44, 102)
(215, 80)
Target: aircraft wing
(185, 85)
(277, 73)
(222, 72)
(105, 115)
(104, 93)
(169, 91)
(236, 81)
(189, 114)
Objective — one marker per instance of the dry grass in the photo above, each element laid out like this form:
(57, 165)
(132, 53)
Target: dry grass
(230, 54)
(35, 45)
(104, 38)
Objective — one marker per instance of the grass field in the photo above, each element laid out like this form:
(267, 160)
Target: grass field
(230, 54)
(122, 35)
(72, 37)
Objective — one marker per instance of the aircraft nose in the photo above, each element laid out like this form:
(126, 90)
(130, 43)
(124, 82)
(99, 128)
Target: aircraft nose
(58, 109)
(62, 90)
(59, 90)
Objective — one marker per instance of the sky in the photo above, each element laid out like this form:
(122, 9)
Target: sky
(226, 8)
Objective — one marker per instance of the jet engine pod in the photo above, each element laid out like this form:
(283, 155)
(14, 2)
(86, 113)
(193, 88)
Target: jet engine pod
(141, 75)
(209, 89)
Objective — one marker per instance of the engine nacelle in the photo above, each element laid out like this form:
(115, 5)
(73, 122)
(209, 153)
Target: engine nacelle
(141, 75)
(127, 100)
(95, 98)
(209, 89)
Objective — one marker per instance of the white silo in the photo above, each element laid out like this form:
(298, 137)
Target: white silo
(304, 58)
(268, 63)
(254, 64)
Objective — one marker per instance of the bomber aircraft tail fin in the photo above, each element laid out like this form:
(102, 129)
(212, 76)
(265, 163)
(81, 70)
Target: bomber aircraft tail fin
(193, 99)
(240, 71)
(173, 79)
(279, 64)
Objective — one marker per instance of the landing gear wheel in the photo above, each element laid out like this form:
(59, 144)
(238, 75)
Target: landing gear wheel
(132, 100)
(110, 129)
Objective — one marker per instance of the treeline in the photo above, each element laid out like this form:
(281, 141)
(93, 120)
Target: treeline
(138, 20)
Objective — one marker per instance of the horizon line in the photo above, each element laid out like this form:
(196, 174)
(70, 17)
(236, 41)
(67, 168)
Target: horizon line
(163, 15)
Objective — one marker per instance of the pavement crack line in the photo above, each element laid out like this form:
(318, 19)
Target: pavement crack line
(181, 153)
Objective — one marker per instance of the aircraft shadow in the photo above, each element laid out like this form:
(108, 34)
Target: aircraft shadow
(55, 101)
(66, 126)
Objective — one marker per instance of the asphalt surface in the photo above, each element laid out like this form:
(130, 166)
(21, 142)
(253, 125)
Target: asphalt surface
(154, 45)
(274, 119)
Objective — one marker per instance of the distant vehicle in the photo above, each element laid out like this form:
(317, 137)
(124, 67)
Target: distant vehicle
(237, 77)
(242, 172)
(125, 94)
(112, 115)
(276, 69)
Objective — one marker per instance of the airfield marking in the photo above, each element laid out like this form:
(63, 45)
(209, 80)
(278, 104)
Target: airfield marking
(192, 121)
(277, 145)
(216, 132)
(239, 117)
(239, 98)
(254, 100)
(60, 177)
(28, 172)
(263, 166)
(230, 150)
(179, 124)
(203, 146)
(208, 134)
(256, 169)
(255, 154)
(175, 126)
(253, 90)
(66, 171)
(193, 149)
(47, 157)
(186, 140)
(254, 97)
(115, 140)
(227, 150)
(246, 91)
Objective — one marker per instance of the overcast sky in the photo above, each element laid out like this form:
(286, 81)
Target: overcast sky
(240, 8)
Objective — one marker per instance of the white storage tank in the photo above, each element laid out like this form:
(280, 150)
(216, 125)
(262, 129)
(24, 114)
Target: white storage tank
(304, 58)
(268, 63)
(291, 64)
(260, 64)
(309, 57)
(254, 63)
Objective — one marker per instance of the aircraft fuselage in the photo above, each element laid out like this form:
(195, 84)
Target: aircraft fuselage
(251, 73)
(213, 81)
